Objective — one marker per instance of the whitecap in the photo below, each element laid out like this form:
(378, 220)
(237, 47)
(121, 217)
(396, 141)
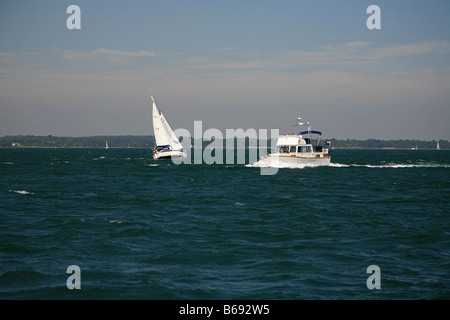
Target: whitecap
(266, 163)
(338, 165)
(401, 165)
(21, 191)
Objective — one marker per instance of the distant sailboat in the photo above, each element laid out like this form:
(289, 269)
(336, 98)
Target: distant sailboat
(167, 144)
(437, 146)
(106, 146)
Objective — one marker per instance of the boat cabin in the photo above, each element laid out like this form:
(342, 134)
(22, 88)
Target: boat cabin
(296, 145)
(163, 148)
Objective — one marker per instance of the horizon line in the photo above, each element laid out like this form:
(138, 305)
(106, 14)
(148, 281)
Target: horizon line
(149, 135)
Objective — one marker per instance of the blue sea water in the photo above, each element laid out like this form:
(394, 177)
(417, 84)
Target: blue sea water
(144, 229)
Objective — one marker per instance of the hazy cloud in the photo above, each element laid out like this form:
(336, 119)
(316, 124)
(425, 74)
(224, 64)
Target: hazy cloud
(226, 49)
(349, 55)
(101, 53)
(414, 49)
(355, 78)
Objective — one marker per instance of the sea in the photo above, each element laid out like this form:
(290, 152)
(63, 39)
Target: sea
(113, 223)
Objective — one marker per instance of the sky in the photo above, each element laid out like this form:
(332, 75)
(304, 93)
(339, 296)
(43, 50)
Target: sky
(231, 64)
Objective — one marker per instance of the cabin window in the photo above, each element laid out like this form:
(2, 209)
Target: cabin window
(305, 149)
(293, 149)
(284, 149)
(163, 148)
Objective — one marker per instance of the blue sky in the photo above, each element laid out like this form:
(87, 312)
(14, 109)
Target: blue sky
(231, 64)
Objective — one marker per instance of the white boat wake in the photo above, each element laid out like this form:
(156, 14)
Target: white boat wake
(269, 163)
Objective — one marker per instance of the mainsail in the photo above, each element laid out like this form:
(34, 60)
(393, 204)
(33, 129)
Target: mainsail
(164, 135)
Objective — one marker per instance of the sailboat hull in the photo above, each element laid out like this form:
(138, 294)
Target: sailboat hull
(172, 154)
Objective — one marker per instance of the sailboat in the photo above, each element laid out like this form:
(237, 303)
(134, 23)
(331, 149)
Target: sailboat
(167, 144)
(106, 145)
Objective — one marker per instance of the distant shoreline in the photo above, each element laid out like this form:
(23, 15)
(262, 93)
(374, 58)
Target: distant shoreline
(128, 141)
(150, 148)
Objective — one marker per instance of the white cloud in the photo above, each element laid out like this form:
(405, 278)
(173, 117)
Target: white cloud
(6, 54)
(360, 56)
(357, 56)
(359, 52)
(356, 78)
(226, 49)
(414, 49)
(114, 55)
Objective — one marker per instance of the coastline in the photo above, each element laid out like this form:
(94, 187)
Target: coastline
(137, 141)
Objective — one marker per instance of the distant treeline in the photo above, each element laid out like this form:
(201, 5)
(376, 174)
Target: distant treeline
(77, 142)
(148, 142)
(383, 144)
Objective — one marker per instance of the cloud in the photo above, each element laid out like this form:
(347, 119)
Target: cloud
(17, 56)
(6, 54)
(100, 53)
(355, 78)
(414, 49)
(359, 56)
(362, 52)
(226, 49)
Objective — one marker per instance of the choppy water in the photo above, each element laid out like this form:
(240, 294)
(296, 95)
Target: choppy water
(145, 229)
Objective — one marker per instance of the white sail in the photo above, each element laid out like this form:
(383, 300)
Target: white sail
(164, 134)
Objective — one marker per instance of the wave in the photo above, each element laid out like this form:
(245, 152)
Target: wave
(392, 165)
(266, 163)
(21, 191)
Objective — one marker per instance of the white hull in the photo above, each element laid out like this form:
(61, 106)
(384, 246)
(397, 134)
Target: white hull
(173, 154)
(282, 159)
